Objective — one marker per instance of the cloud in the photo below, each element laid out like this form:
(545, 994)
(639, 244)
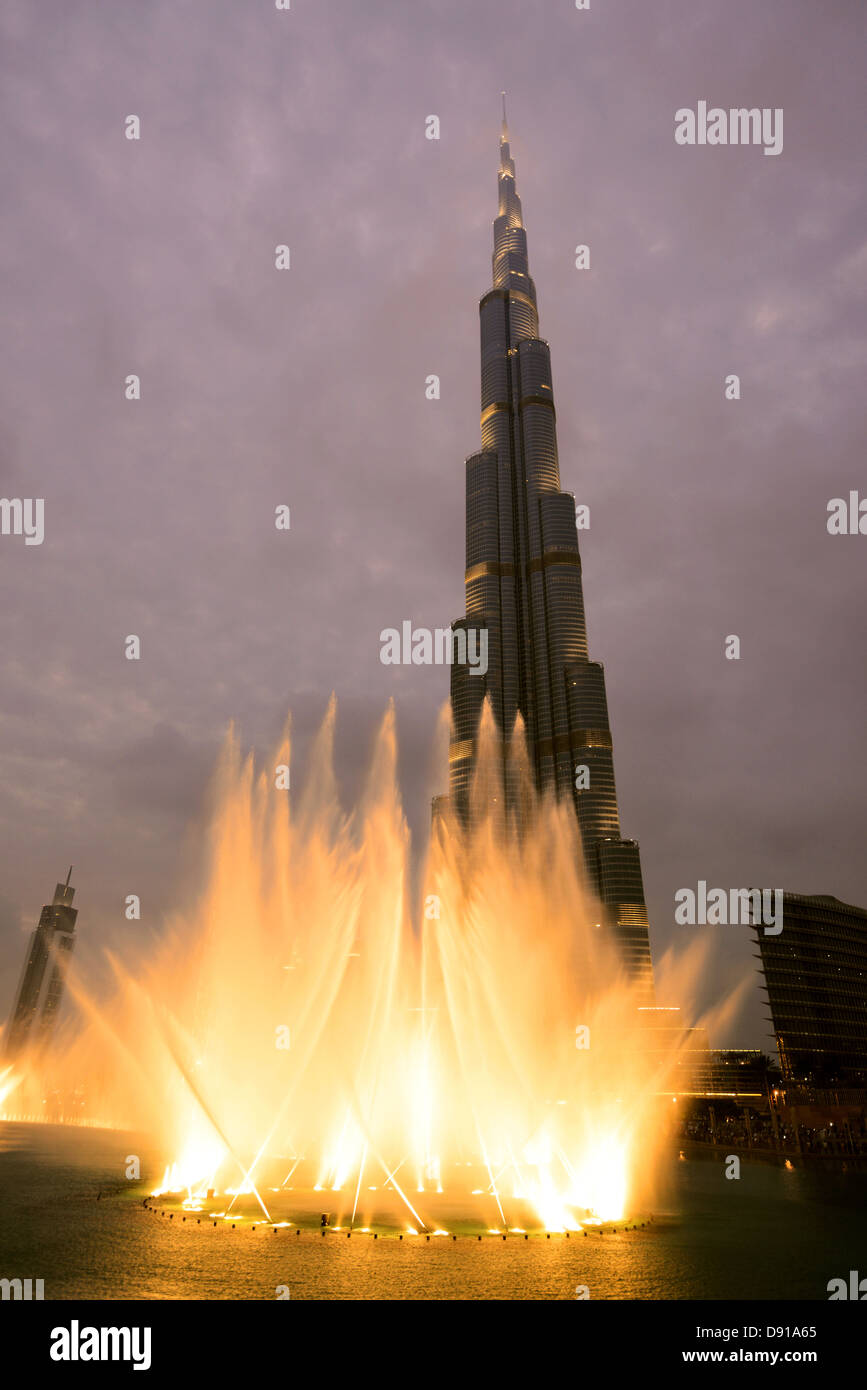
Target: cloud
(306, 388)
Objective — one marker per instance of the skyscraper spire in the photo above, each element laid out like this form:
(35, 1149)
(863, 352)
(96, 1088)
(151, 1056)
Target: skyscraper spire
(523, 585)
(510, 203)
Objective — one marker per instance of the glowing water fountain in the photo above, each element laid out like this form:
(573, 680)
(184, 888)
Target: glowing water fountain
(319, 1037)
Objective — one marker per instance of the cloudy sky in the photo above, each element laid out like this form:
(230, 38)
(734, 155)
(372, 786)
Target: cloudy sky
(306, 387)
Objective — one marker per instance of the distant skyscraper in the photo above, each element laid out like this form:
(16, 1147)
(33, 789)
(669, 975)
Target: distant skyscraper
(41, 989)
(523, 584)
(816, 977)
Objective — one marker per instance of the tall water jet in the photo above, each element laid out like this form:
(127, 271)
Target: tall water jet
(463, 1054)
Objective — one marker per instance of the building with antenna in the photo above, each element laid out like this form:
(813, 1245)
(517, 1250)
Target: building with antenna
(524, 586)
(40, 991)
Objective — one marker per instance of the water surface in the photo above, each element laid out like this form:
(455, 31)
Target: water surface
(773, 1234)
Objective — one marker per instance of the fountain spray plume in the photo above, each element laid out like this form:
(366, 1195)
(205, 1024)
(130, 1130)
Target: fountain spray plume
(473, 1055)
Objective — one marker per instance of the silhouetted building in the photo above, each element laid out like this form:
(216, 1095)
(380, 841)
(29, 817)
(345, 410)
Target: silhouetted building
(681, 1062)
(815, 973)
(41, 989)
(724, 1073)
(523, 586)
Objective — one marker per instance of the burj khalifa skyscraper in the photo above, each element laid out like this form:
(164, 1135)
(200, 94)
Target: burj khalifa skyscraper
(523, 585)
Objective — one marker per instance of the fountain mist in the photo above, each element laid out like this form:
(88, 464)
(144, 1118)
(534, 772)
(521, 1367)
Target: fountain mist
(422, 1058)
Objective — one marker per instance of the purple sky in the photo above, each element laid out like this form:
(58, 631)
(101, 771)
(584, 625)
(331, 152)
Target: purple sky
(307, 387)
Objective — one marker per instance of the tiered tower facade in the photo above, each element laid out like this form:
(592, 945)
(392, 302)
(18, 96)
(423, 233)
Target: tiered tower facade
(523, 584)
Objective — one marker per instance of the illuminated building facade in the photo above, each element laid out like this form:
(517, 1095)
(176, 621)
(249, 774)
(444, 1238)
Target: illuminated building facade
(37, 1001)
(523, 584)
